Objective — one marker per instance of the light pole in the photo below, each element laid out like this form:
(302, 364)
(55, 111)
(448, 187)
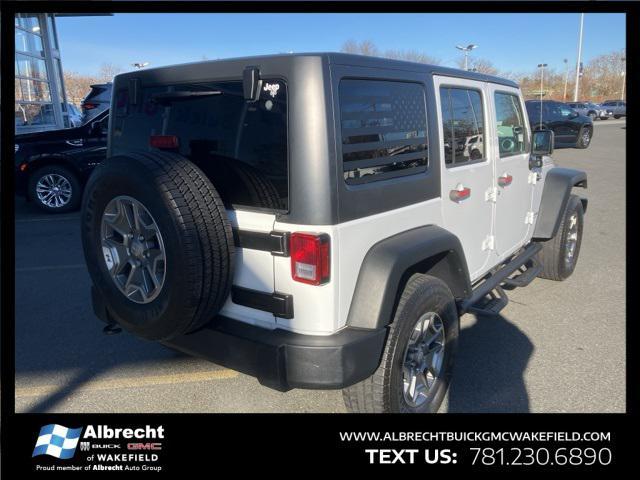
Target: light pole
(577, 87)
(466, 51)
(140, 65)
(624, 70)
(566, 79)
(541, 67)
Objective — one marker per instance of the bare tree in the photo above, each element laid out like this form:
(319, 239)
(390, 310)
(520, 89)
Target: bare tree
(367, 47)
(78, 86)
(108, 71)
(481, 65)
(411, 56)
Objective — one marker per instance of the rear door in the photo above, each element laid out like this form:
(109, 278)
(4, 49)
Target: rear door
(468, 172)
(511, 135)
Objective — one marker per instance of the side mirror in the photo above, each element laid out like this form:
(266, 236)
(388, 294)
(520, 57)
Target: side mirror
(251, 84)
(573, 114)
(542, 142)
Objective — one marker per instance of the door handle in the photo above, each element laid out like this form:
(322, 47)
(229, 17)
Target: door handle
(505, 180)
(460, 194)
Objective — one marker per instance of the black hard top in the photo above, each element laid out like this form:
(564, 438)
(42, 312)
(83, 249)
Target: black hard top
(346, 59)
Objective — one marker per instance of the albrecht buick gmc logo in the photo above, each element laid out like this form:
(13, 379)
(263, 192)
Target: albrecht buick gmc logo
(61, 442)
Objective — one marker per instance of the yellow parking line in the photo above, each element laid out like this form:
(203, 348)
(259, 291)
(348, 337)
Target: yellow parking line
(130, 382)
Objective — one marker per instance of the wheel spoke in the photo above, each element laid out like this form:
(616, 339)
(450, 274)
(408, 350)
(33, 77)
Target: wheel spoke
(133, 249)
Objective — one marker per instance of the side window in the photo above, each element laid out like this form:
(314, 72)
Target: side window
(462, 125)
(384, 130)
(512, 135)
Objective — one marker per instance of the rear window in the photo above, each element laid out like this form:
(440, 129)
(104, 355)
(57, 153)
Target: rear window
(384, 130)
(240, 146)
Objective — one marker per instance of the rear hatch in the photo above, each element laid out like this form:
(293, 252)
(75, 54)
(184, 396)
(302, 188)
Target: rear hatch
(242, 148)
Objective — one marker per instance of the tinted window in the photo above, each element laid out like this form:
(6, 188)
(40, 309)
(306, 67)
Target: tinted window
(240, 146)
(512, 135)
(384, 129)
(462, 125)
(559, 110)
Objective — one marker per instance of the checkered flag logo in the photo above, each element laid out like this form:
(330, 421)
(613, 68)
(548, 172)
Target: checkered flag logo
(57, 441)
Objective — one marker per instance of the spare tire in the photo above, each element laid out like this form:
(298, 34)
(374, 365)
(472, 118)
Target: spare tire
(238, 182)
(157, 243)
(263, 192)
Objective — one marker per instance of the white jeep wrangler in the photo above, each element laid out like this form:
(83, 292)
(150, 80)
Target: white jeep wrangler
(320, 220)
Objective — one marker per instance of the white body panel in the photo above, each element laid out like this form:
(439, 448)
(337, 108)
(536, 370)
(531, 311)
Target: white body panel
(253, 268)
(515, 200)
(321, 310)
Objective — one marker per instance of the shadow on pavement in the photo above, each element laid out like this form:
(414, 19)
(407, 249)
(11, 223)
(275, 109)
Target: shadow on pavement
(489, 369)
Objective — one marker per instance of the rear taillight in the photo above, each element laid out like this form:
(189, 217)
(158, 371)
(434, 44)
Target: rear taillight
(310, 261)
(163, 141)
(89, 106)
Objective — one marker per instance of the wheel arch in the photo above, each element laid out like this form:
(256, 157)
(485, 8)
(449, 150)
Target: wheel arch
(390, 263)
(558, 185)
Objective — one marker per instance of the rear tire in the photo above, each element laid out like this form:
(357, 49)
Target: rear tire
(388, 390)
(559, 255)
(196, 239)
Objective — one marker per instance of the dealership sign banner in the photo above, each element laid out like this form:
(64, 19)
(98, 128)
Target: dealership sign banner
(171, 445)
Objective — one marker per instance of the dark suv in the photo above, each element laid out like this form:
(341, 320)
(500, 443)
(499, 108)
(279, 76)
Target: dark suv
(570, 128)
(53, 166)
(97, 101)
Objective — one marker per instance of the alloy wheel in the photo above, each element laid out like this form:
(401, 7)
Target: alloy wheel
(423, 359)
(54, 190)
(133, 249)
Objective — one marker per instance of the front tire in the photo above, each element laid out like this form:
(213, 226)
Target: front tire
(55, 189)
(559, 255)
(584, 138)
(416, 366)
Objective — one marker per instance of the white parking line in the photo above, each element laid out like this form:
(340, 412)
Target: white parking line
(50, 267)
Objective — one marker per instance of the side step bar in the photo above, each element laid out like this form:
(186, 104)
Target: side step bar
(478, 303)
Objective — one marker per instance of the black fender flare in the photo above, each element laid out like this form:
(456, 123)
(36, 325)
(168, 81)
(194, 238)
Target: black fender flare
(388, 264)
(555, 195)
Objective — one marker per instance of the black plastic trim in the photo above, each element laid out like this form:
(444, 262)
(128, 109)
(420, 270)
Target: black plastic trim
(429, 249)
(283, 360)
(279, 304)
(496, 279)
(277, 243)
(555, 194)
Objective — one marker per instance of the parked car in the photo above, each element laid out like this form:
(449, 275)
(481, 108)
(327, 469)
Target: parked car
(593, 110)
(318, 240)
(53, 166)
(97, 101)
(75, 115)
(45, 116)
(570, 128)
(618, 107)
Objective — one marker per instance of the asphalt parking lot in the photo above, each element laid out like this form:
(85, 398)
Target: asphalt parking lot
(557, 347)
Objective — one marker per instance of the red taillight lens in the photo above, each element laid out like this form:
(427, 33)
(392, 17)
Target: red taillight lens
(163, 141)
(310, 262)
(89, 106)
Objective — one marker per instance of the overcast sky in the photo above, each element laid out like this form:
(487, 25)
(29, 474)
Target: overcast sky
(513, 42)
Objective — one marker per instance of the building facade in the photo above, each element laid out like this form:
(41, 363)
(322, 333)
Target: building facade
(39, 89)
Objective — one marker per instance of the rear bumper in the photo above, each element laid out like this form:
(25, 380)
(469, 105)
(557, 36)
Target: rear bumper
(280, 359)
(283, 360)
